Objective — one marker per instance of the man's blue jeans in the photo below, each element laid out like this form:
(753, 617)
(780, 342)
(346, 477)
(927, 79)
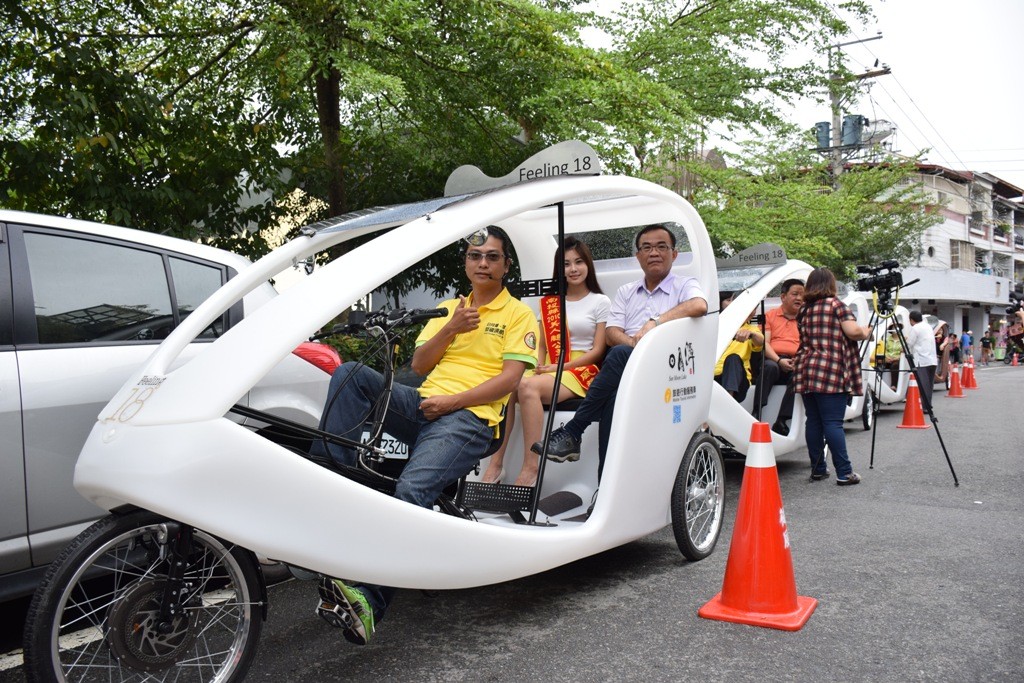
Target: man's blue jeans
(599, 403)
(825, 425)
(441, 451)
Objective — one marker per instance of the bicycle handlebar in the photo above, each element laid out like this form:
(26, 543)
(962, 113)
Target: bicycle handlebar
(417, 315)
(387, 320)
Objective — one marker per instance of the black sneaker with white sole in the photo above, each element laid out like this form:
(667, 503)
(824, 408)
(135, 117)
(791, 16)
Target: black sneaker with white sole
(562, 446)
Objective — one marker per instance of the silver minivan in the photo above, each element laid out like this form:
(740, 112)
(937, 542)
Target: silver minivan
(82, 305)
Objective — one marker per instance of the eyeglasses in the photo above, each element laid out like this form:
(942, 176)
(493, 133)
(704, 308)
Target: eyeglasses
(661, 248)
(491, 256)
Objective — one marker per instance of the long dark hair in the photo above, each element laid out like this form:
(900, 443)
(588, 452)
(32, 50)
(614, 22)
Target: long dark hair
(821, 284)
(580, 247)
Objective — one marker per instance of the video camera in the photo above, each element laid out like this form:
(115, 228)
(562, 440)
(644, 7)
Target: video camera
(878, 281)
(883, 280)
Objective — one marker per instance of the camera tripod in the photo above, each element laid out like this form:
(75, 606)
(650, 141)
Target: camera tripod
(884, 309)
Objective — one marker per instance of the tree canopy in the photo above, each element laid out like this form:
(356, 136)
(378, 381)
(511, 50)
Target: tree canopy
(782, 191)
(198, 118)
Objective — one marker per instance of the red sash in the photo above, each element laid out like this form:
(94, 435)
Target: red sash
(549, 322)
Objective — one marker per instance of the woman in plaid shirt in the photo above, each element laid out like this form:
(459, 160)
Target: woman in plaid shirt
(827, 371)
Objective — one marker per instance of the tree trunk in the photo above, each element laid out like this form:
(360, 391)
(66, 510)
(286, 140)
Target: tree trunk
(328, 109)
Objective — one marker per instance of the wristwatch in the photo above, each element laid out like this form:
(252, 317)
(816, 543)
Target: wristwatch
(656, 318)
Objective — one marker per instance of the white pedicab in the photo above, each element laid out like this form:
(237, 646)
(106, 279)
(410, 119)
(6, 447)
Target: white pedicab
(752, 275)
(887, 386)
(167, 587)
(863, 407)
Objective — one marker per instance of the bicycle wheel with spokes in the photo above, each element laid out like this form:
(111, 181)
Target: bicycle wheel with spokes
(95, 616)
(698, 498)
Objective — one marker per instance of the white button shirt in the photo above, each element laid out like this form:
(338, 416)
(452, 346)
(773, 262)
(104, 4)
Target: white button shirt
(634, 305)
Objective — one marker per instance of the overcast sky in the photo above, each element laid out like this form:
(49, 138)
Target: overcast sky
(955, 85)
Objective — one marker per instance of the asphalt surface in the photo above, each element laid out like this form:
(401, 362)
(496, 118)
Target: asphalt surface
(917, 580)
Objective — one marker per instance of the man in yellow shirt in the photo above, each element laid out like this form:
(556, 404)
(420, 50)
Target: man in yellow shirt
(733, 368)
(473, 359)
(893, 351)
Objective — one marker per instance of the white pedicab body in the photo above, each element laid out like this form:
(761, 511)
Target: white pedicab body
(729, 419)
(164, 443)
(880, 385)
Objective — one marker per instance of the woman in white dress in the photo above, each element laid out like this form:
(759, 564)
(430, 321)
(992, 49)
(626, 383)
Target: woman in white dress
(586, 309)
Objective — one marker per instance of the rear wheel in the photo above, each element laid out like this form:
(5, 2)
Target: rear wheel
(95, 617)
(698, 498)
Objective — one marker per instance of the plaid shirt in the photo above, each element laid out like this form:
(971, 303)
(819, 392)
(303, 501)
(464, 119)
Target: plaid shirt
(827, 362)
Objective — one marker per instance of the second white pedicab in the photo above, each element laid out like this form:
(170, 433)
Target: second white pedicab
(753, 275)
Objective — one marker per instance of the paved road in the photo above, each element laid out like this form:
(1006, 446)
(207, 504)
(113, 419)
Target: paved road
(916, 580)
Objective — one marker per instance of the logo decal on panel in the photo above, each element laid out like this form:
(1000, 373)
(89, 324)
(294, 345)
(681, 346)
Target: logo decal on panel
(682, 365)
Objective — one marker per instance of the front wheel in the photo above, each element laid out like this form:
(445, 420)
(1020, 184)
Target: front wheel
(867, 415)
(95, 616)
(698, 498)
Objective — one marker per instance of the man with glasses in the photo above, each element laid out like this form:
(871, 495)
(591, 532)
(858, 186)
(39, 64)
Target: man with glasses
(473, 360)
(638, 308)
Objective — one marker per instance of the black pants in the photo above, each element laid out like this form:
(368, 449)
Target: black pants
(773, 375)
(925, 381)
(734, 377)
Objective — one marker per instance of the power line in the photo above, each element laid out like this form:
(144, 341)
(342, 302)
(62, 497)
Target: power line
(933, 147)
(928, 144)
(995, 161)
(948, 146)
(996, 149)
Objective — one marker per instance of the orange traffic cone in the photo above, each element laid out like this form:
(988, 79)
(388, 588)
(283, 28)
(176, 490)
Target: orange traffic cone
(955, 389)
(1014, 362)
(913, 416)
(969, 382)
(759, 588)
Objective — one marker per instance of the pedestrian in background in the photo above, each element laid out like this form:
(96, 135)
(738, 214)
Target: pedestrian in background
(967, 345)
(921, 345)
(987, 342)
(827, 372)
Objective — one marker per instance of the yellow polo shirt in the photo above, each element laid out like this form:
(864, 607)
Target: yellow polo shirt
(743, 349)
(507, 331)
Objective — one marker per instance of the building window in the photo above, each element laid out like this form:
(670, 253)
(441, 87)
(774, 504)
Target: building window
(983, 262)
(961, 255)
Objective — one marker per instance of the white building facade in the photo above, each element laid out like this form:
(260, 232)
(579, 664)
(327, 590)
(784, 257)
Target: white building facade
(969, 263)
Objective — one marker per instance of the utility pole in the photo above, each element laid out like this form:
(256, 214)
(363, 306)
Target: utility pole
(835, 80)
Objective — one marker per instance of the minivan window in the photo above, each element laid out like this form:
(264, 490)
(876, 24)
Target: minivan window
(86, 291)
